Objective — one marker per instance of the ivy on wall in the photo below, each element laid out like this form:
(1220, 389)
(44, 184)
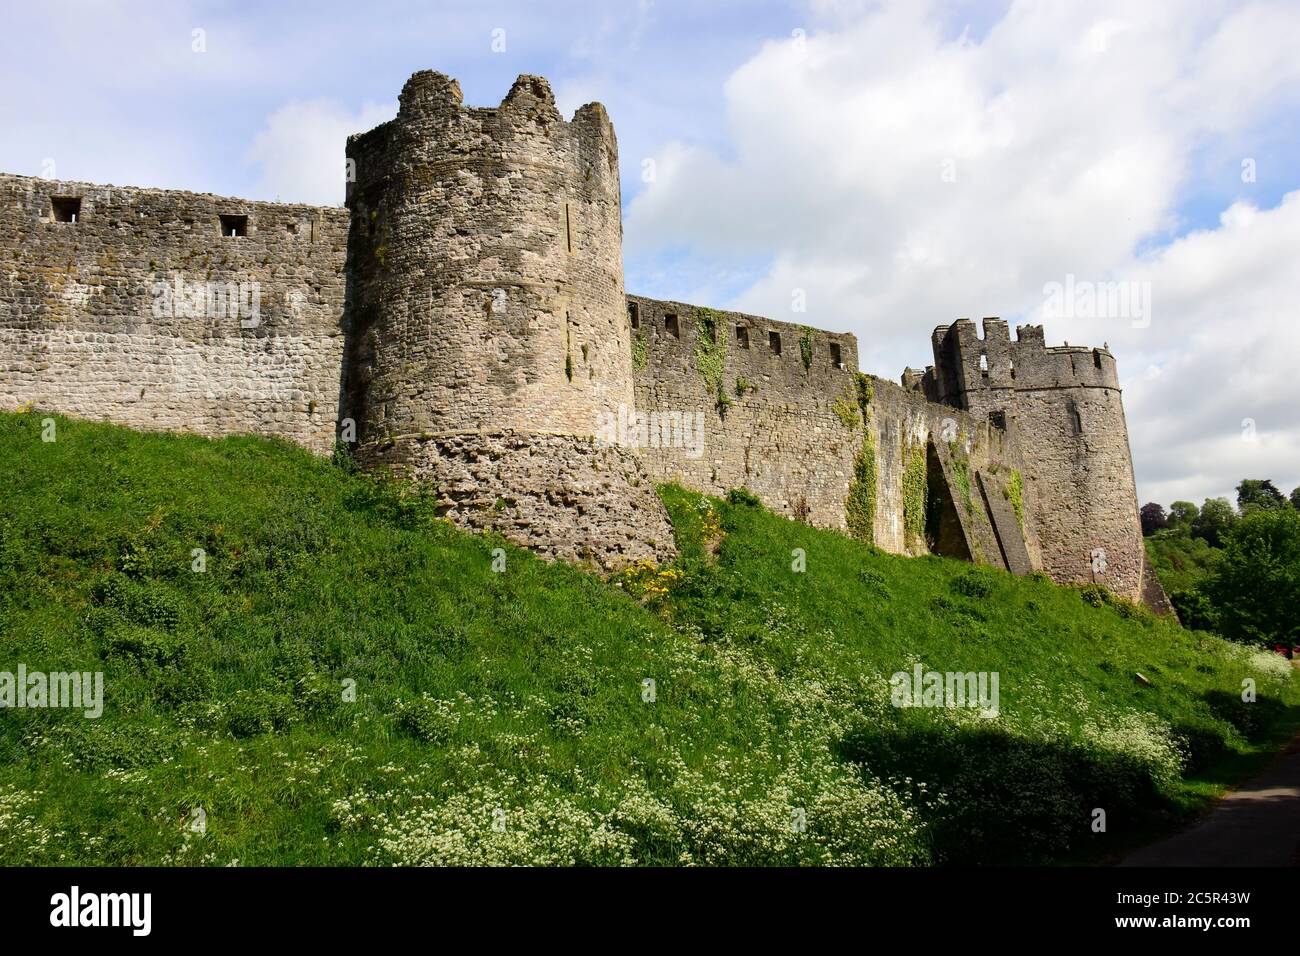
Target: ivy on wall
(711, 355)
(860, 503)
(845, 412)
(805, 345)
(640, 352)
(915, 489)
(1016, 495)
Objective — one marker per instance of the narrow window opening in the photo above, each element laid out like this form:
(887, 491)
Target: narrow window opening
(671, 327)
(1013, 369)
(1076, 420)
(568, 227)
(998, 419)
(984, 363)
(634, 315)
(774, 342)
(742, 336)
(1096, 358)
(66, 208)
(234, 226)
(836, 361)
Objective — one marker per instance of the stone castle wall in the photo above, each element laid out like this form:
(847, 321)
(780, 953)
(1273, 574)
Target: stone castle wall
(784, 419)
(464, 322)
(767, 421)
(91, 322)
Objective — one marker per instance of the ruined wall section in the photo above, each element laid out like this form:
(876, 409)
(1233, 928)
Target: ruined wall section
(487, 334)
(141, 312)
(768, 421)
(972, 455)
(792, 432)
(1066, 405)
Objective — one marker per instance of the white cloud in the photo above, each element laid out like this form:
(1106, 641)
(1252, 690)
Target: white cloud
(904, 178)
(300, 150)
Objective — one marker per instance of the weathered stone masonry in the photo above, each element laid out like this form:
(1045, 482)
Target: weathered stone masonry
(464, 322)
(90, 323)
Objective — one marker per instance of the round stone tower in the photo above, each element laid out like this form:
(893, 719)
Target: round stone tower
(487, 329)
(1064, 403)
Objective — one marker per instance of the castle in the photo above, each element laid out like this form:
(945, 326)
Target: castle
(463, 322)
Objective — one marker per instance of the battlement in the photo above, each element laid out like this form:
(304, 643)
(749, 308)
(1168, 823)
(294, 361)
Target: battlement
(756, 349)
(993, 365)
(441, 136)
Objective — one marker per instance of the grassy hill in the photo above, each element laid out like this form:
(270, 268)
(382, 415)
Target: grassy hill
(507, 716)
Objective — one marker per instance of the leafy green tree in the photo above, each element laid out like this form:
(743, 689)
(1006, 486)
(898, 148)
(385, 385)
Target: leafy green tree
(1256, 584)
(1216, 516)
(1295, 499)
(1255, 493)
(1153, 518)
(1182, 514)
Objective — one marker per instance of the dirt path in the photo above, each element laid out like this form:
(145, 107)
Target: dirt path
(1258, 824)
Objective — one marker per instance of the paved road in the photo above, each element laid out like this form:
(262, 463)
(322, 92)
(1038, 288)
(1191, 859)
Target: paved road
(1257, 824)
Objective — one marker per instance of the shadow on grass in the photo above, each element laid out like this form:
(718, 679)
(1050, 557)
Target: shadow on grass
(1008, 799)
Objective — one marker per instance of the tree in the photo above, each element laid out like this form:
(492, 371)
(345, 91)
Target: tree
(1153, 518)
(1216, 516)
(1295, 499)
(1254, 493)
(1256, 583)
(1182, 514)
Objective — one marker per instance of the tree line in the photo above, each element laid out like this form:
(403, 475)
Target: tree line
(1251, 589)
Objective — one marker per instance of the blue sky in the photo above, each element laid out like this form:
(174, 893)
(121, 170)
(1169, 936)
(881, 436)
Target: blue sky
(900, 164)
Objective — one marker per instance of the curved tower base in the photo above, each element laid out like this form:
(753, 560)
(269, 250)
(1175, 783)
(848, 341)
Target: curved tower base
(561, 496)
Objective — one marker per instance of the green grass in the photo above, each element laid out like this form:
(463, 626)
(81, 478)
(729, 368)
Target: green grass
(507, 717)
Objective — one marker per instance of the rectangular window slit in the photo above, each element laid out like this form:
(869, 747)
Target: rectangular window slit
(568, 228)
(671, 327)
(66, 208)
(836, 361)
(774, 342)
(634, 315)
(742, 336)
(234, 226)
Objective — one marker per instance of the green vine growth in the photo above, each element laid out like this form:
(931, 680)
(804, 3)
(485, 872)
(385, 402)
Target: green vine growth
(1016, 495)
(860, 503)
(711, 355)
(805, 345)
(846, 412)
(915, 492)
(640, 352)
